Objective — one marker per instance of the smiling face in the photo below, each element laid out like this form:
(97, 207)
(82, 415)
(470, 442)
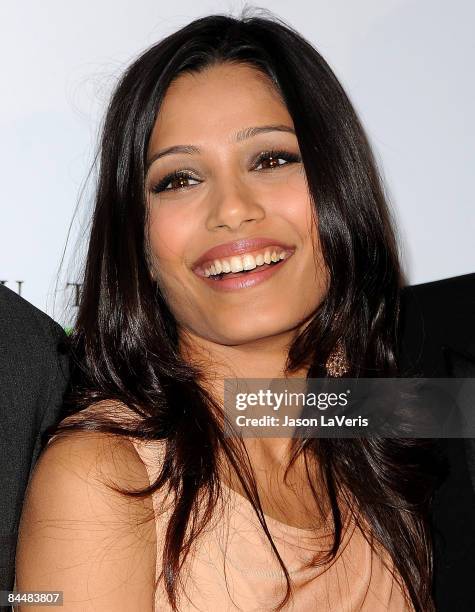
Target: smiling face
(228, 189)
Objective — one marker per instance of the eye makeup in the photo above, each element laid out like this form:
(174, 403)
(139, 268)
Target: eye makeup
(187, 174)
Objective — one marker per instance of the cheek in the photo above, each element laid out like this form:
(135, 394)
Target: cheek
(168, 237)
(292, 202)
(299, 213)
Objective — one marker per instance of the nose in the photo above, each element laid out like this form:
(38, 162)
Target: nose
(233, 206)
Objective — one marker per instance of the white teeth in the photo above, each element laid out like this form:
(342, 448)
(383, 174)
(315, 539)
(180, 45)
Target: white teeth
(244, 262)
(236, 264)
(249, 263)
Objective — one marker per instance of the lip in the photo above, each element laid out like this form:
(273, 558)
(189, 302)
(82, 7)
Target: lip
(239, 247)
(252, 278)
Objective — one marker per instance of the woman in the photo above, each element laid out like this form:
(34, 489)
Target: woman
(229, 139)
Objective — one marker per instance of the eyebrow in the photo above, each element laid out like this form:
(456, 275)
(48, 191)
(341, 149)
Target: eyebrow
(238, 137)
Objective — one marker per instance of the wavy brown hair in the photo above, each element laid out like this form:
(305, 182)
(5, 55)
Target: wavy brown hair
(124, 347)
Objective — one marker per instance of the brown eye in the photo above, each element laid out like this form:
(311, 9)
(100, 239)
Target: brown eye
(177, 180)
(276, 159)
(273, 162)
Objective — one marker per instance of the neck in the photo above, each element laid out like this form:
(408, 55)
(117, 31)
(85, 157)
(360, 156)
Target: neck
(263, 358)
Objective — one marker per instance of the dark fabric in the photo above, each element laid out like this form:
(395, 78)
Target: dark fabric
(437, 339)
(33, 378)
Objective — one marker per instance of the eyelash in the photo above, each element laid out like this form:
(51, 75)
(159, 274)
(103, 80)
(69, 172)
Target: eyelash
(265, 155)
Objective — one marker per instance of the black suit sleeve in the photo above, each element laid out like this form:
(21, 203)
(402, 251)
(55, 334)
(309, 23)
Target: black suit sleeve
(33, 379)
(437, 339)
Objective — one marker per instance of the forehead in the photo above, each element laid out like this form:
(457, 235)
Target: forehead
(217, 102)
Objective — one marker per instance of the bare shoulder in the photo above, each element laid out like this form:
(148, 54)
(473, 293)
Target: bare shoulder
(80, 534)
(151, 452)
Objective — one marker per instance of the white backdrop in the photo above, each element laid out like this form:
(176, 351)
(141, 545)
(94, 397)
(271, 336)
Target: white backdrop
(407, 66)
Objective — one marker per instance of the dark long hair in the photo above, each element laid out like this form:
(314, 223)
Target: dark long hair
(124, 347)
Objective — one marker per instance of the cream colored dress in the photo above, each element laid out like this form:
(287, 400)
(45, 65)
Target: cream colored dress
(234, 568)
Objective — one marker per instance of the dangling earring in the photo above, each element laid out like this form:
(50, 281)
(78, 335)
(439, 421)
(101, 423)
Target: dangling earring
(337, 364)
